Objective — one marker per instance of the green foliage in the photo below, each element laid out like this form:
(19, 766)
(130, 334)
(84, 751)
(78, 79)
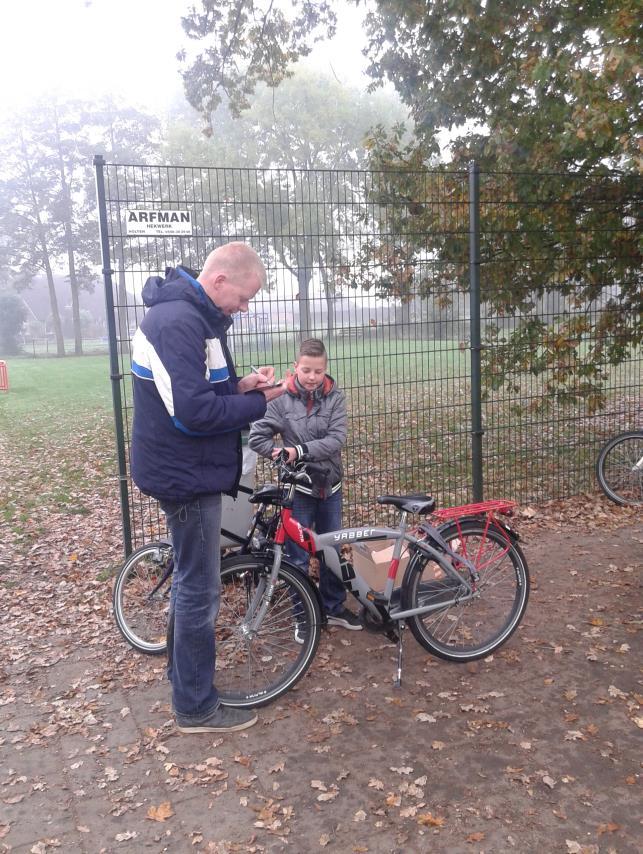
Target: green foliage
(531, 84)
(12, 317)
(539, 85)
(247, 42)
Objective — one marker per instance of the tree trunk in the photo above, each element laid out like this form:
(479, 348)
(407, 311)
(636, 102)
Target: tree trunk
(69, 244)
(330, 302)
(122, 313)
(304, 275)
(53, 299)
(403, 320)
(53, 303)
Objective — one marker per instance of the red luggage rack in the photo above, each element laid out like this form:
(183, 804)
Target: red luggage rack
(485, 509)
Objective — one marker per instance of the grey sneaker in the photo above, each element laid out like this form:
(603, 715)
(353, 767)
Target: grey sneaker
(346, 619)
(222, 719)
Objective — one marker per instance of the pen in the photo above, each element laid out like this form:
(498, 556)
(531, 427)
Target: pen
(269, 385)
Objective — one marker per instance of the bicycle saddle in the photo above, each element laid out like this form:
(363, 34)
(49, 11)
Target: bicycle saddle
(267, 494)
(423, 504)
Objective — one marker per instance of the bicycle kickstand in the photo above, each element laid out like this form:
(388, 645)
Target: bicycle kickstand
(400, 638)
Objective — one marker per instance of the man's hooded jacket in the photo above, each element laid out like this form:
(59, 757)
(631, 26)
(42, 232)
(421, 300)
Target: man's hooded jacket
(188, 414)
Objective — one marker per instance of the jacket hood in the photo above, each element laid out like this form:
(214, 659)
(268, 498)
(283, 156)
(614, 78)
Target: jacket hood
(180, 284)
(293, 387)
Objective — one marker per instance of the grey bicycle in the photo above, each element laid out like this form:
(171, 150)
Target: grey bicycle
(463, 593)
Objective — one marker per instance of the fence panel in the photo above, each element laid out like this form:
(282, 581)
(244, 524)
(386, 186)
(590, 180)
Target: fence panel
(378, 265)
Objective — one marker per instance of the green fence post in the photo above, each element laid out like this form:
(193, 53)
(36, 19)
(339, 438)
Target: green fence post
(114, 371)
(476, 346)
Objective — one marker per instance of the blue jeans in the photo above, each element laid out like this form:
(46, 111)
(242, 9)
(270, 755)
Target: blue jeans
(323, 515)
(194, 603)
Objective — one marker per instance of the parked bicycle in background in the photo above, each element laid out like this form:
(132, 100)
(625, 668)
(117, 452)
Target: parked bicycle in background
(619, 468)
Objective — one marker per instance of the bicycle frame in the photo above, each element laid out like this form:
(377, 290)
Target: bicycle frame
(324, 547)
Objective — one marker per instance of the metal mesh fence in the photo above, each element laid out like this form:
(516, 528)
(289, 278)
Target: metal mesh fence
(377, 264)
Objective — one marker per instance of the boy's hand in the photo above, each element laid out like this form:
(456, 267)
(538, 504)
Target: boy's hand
(292, 453)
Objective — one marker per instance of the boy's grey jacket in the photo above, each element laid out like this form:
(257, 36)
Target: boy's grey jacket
(314, 423)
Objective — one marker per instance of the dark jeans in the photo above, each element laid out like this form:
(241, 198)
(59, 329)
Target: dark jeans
(323, 515)
(196, 589)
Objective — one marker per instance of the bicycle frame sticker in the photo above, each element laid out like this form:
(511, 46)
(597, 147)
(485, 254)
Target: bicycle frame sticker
(302, 537)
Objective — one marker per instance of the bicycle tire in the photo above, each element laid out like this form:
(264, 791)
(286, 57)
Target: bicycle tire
(472, 629)
(617, 472)
(141, 612)
(254, 671)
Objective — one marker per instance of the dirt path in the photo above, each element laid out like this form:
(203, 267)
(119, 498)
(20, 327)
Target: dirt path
(535, 749)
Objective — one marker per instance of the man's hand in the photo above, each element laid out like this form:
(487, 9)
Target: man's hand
(259, 379)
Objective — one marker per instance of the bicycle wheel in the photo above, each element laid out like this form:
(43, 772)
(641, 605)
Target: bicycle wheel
(472, 629)
(619, 468)
(141, 597)
(253, 669)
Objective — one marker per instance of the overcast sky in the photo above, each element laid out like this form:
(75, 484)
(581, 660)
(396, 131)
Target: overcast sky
(83, 47)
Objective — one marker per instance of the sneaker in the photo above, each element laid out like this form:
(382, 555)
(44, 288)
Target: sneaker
(346, 619)
(222, 719)
(300, 634)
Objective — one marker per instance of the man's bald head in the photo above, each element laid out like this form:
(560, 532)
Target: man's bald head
(232, 275)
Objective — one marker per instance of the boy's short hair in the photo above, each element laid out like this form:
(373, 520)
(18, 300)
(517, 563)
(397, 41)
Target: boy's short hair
(312, 347)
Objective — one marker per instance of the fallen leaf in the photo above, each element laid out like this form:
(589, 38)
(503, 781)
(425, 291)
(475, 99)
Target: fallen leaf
(610, 827)
(360, 815)
(478, 836)
(160, 813)
(427, 819)
(328, 796)
(613, 691)
(574, 735)
(408, 812)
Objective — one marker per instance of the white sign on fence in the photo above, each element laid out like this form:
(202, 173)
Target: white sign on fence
(171, 223)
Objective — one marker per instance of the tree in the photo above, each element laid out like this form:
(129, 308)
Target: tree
(547, 86)
(47, 199)
(299, 213)
(539, 84)
(12, 317)
(28, 201)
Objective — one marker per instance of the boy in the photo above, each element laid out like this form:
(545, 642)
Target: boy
(311, 419)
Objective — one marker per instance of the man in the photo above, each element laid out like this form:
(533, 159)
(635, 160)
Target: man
(189, 408)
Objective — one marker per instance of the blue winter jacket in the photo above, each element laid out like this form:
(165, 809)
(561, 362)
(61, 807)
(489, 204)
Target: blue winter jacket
(186, 438)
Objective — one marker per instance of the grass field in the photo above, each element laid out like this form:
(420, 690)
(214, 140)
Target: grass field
(409, 429)
(55, 394)
(56, 433)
